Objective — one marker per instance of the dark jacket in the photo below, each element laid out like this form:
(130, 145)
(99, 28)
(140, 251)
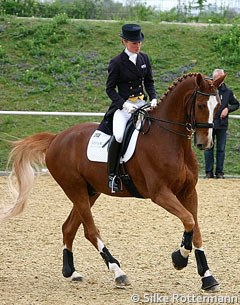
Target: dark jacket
(128, 80)
(125, 79)
(227, 100)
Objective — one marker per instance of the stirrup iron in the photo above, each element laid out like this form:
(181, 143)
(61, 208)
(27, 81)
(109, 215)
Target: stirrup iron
(115, 181)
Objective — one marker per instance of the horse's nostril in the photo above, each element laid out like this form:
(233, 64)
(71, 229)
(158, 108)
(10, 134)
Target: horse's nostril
(200, 146)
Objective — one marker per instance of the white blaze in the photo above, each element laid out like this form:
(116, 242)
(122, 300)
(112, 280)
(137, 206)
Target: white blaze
(212, 103)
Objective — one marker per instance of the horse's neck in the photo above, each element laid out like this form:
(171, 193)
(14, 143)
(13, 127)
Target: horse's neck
(173, 109)
(173, 105)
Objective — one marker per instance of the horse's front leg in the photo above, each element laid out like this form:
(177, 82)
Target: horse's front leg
(180, 256)
(184, 206)
(209, 283)
(166, 199)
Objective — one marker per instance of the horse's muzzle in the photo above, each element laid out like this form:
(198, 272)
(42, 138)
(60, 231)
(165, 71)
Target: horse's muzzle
(203, 144)
(204, 147)
(200, 146)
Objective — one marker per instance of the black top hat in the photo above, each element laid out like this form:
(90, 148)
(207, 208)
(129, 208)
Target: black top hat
(132, 32)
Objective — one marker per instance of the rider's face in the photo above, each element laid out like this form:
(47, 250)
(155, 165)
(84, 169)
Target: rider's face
(133, 47)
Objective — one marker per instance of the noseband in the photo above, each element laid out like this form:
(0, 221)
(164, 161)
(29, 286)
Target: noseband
(191, 118)
(190, 125)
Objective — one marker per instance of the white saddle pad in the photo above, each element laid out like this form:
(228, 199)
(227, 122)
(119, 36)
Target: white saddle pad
(97, 149)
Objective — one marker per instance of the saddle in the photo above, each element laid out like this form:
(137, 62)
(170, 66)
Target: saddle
(97, 150)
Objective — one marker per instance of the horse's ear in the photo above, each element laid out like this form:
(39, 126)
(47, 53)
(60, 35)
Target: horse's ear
(217, 82)
(199, 79)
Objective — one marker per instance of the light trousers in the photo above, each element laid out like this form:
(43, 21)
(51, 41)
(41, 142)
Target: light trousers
(120, 119)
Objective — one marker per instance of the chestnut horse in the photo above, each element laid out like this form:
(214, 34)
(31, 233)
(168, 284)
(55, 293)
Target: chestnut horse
(163, 168)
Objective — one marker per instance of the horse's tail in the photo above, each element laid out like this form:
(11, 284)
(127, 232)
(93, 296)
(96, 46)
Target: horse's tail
(26, 155)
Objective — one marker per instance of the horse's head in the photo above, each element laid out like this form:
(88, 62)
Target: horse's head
(205, 105)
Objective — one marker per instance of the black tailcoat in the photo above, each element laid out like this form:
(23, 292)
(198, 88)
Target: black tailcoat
(228, 100)
(125, 79)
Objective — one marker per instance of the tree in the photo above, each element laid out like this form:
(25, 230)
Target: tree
(200, 4)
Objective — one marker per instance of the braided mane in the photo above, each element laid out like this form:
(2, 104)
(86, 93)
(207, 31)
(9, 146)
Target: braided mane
(176, 82)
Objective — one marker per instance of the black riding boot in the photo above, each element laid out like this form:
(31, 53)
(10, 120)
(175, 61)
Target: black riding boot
(113, 158)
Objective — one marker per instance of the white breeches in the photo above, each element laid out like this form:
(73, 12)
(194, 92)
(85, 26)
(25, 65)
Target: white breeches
(120, 119)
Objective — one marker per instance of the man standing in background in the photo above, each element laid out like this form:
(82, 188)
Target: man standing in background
(229, 103)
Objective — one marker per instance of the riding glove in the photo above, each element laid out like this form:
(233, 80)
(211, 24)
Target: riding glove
(129, 107)
(153, 103)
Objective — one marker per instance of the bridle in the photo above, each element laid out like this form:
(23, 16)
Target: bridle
(190, 125)
(192, 120)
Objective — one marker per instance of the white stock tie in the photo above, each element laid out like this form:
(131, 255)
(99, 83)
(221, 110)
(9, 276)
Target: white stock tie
(133, 58)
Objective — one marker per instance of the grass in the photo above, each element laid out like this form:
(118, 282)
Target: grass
(61, 65)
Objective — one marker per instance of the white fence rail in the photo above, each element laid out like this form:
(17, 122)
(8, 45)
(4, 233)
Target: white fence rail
(51, 113)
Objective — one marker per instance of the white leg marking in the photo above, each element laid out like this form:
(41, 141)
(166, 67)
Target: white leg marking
(100, 245)
(113, 267)
(75, 277)
(184, 252)
(207, 273)
(116, 270)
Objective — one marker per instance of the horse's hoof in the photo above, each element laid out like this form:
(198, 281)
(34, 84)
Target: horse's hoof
(75, 277)
(122, 281)
(179, 262)
(209, 284)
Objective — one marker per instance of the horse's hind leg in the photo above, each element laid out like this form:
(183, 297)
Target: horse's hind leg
(69, 230)
(81, 213)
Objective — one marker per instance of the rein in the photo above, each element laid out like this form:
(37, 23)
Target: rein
(190, 125)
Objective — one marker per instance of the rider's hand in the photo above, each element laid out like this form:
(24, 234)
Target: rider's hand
(129, 107)
(153, 103)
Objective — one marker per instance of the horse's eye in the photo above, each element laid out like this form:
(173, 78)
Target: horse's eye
(201, 106)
